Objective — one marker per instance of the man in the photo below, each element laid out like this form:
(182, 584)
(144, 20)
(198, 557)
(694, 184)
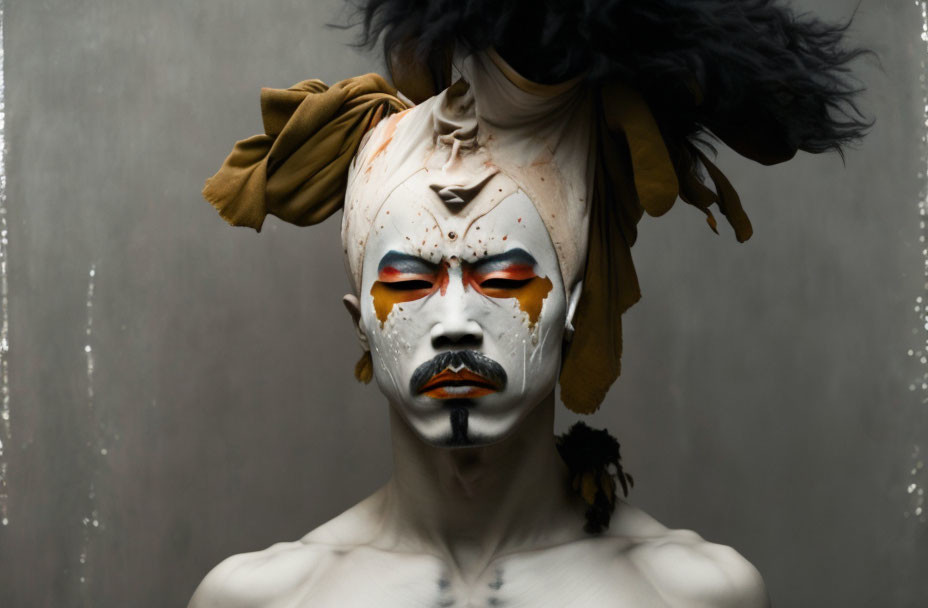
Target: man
(486, 231)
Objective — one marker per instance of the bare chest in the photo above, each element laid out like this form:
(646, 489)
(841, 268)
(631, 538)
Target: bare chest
(575, 576)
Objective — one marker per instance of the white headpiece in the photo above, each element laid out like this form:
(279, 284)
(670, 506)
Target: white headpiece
(471, 146)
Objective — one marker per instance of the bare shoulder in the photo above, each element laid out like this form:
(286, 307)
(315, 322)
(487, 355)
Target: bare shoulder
(256, 579)
(689, 571)
(249, 580)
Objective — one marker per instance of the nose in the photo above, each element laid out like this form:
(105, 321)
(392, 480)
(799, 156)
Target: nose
(454, 326)
(455, 332)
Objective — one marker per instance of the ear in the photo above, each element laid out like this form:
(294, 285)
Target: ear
(353, 305)
(572, 303)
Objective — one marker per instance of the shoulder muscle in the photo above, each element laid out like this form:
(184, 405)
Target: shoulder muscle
(249, 580)
(688, 571)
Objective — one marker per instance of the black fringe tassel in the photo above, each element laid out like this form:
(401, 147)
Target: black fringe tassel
(593, 460)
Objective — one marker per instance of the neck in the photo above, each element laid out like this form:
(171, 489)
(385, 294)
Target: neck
(472, 504)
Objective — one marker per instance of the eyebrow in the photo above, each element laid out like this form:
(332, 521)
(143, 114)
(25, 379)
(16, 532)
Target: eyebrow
(407, 263)
(404, 262)
(507, 258)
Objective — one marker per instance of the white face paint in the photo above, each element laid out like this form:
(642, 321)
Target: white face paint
(464, 313)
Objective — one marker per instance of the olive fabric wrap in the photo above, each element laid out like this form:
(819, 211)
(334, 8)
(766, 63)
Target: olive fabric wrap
(635, 174)
(298, 170)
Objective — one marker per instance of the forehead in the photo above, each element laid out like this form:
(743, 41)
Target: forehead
(414, 220)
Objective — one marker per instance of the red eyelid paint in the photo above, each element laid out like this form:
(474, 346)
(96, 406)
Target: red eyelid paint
(385, 297)
(530, 295)
(392, 275)
(443, 278)
(514, 272)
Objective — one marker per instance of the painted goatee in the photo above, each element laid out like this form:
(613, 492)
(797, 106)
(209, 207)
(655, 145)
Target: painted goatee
(459, 426)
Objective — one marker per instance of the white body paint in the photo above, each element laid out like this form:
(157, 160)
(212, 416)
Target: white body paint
(495, 523)
(484, 527)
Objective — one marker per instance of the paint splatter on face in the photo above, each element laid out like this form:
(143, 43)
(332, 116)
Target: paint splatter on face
(493, 291)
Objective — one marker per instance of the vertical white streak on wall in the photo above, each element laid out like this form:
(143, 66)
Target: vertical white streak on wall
(91, 521)
(915, 486)
(6, 433)
(88, 331)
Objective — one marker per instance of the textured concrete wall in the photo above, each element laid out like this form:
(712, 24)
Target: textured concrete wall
(765, 398)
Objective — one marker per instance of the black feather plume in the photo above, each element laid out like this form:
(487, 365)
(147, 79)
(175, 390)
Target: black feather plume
(745, 70)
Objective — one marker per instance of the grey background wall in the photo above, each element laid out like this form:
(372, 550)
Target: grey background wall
(765, 400)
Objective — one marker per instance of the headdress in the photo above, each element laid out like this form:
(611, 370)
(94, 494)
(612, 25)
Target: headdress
(629, 88)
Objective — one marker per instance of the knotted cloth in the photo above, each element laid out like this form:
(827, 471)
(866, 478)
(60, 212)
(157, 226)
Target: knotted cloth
(297, 170)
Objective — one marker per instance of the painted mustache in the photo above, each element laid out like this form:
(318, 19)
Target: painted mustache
(458, 374)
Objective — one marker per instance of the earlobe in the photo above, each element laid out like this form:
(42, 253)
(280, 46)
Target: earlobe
(572, 303)
(353, 306)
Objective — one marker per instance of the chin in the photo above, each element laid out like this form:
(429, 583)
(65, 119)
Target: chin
(463, 423)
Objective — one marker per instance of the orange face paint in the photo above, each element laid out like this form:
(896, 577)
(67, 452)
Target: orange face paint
(389, 130)
(386, 298)
(404, 278)
(531, 297)
(517, 281)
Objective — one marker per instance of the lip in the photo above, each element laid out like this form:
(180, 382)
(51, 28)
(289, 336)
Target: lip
(462, 384)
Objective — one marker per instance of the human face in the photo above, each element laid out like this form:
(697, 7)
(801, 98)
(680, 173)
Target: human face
(464, 315)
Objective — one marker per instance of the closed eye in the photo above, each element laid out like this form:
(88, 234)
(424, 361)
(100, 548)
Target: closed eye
(411, 285)
(499, 283)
